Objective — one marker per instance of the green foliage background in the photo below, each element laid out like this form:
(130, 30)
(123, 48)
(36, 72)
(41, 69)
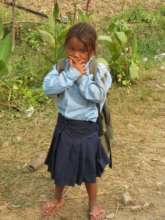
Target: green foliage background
(125, 41)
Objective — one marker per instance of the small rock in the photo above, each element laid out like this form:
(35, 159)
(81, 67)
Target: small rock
(110, 216)
(145, 59)
(126, 186)
(6, 144)
(136, 207)
(131, 126)
(159, 193)
(162, 161)
(160, 56)
(29, 111)
(127, 199)
(146, 205)
(1, 115)
(158, 86)
(162, 68)
(64, 19)
(16, 206)
(159, 185)
(43, 198)
(18, 138)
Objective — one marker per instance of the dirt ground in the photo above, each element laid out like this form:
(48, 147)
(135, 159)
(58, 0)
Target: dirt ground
(98, 8)
(138, 159)
(105, 7)
(138, 152)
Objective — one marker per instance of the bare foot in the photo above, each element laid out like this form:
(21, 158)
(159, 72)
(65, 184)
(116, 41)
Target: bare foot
(97, 213)
(51, 207)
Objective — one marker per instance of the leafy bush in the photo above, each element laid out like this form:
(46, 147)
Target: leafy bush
(40, 47)
(5, 49)
(54, 33)
(149, 27)
(120, 50)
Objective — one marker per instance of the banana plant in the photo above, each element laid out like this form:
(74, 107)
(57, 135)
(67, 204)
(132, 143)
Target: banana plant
(5, 49)
(120, 49)
(55, 33)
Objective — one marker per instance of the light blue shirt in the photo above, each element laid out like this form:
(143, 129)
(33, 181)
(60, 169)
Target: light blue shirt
(78, 95)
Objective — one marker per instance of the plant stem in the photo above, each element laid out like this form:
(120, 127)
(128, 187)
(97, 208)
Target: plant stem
(14, 24)
(75, 11)
(87, 5)
(55, 32)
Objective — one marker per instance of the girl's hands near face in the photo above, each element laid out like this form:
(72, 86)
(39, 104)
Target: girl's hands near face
(78, 64)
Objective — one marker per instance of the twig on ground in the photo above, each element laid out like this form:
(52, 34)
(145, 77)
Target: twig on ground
(26, 9)
(117, 209)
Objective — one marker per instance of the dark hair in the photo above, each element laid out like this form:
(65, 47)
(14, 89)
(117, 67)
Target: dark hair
(85, 33)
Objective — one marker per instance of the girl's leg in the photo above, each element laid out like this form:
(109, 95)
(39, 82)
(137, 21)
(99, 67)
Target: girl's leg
(96, 212)
(52, 206)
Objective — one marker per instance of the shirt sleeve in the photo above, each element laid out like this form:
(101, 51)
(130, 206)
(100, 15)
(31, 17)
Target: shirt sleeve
(95, 88)
(55, 83)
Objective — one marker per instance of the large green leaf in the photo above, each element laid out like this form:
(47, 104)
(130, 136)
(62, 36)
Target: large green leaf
(134, 48)
(105, 38)
(51, 24)
(115, 50)
(47, 37)
(3, 68)
(112, 27)
(83, 16)
(102, 60)
(121, 36)
(5, 48)
(1, 30)
(134, 71)
(56, 10)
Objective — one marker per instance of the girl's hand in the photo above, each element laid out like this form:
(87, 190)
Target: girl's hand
(78, 64)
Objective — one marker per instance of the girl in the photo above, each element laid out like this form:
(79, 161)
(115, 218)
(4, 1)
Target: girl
(75, 154)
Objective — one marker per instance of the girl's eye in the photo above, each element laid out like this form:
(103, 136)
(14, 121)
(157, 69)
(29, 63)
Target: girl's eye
(71, 48)
(82, 50)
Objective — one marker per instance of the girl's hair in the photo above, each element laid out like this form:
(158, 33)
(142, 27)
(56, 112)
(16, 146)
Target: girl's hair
(85, 33)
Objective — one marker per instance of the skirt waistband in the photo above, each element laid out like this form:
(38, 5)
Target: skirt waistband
(77, 127)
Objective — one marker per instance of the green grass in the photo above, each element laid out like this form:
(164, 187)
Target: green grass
(28, 63)
(149, 27)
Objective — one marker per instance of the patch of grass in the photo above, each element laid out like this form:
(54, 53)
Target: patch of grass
(23, 85)
(5, 13)
(149, 27)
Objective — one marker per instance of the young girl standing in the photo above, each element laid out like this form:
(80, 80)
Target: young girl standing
(75, 154)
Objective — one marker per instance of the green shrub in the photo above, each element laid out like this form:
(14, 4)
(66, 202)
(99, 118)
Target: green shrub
(120, 50)
(5, 49)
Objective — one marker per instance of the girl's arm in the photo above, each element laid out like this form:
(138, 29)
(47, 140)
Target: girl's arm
(55, 83)
(95, 88)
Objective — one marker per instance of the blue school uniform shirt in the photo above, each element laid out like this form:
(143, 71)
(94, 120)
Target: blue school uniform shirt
(78, 95)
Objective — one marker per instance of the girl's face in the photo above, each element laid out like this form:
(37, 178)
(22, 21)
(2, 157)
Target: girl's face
(75, 48)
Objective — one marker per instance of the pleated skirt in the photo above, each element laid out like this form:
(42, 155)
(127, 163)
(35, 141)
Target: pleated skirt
(75, 154)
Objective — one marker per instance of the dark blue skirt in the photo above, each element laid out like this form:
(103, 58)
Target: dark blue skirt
(75, 154)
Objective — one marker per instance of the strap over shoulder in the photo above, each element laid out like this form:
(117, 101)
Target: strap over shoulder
(60, 66)
(94, 63)
(93, 66)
